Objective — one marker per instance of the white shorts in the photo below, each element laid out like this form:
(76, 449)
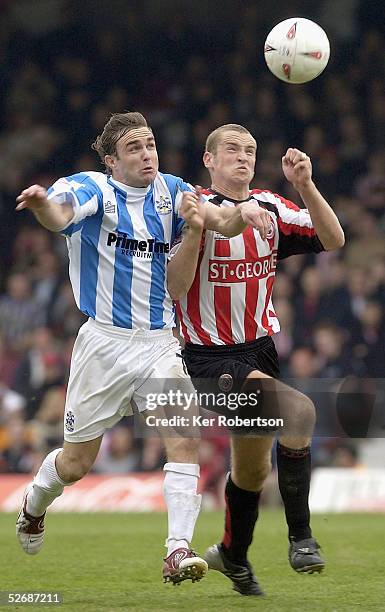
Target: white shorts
(111, 368)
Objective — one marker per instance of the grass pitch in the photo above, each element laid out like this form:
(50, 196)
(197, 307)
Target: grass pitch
(112, 562)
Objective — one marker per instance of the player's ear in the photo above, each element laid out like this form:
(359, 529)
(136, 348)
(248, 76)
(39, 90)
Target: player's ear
(109, 161)
(207, 159)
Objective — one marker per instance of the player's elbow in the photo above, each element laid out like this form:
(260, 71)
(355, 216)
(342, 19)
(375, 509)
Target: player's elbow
(229, 230)
(177, 290)
(341, 240)
(336, 242)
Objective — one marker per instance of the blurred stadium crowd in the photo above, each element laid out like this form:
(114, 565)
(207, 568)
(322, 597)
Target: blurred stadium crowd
(67, 65)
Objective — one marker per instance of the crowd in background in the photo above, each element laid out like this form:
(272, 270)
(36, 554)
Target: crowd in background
(66, 66)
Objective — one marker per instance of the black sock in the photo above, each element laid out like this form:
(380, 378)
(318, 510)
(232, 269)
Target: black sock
(294, 469)
(241, 516)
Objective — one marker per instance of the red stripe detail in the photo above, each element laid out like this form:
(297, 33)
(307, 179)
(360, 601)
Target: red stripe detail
(222, 307)
(252, 287)
(287, 203)
(193, 306)
(222, 248)
(284, 201)
(293, 228)
(256, 191)
(185, 333)
(265, 320)
(227, 536)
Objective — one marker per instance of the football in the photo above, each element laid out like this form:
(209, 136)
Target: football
(297, 50)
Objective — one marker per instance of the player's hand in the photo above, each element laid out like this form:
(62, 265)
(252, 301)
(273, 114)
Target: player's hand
(34, 198)
(192, 209)
(296, 166)
(257, 217)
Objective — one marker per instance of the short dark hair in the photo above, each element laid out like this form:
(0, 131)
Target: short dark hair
(117, 126)
(214, 138)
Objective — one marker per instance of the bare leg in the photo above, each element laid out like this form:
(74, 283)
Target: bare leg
(60, 468)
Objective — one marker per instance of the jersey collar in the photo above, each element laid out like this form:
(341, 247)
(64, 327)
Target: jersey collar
(221, 198)
(127, 189)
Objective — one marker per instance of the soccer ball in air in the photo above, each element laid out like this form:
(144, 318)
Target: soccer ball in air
(297, 50)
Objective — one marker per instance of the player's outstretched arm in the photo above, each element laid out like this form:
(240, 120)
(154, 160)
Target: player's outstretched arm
(233, 221)
(182, 265)
(297, 168)
(49, 213)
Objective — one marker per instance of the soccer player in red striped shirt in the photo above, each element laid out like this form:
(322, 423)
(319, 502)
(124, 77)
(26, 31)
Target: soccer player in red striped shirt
(223, 296)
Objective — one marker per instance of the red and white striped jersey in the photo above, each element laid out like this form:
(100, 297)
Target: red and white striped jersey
(230, 300)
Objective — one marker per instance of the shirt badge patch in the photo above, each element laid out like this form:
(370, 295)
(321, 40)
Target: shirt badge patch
(70, 421)
(109, 207)
(163, 206)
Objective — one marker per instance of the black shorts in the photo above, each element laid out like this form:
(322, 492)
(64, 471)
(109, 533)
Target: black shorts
(223, 370)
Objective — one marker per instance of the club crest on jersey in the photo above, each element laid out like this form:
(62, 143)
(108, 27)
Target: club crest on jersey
(109, 207)
(218, 236)
(70, 421)
(163, 206)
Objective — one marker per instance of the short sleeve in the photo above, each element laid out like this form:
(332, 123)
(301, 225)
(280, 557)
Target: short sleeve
(82, 193)
(181, 186)
(178, 241)
(296, 232)
(174, 247)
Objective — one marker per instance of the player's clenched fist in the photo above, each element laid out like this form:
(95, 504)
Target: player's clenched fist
(192, 209)
(296, 166)
(257, 217)
(34, 198)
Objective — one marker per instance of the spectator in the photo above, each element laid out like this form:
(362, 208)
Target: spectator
(40, 369)
(309, 306)
(20, 312)
(47, 425)
(17, 453)
(329, 343)
(118, 453)
(369, 346)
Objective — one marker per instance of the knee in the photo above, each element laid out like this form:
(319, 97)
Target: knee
(182, 450)
(300, 416)
(251, 476)
(71, 467)
(307, 413)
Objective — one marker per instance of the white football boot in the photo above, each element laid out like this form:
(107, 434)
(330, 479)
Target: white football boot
(29, 529)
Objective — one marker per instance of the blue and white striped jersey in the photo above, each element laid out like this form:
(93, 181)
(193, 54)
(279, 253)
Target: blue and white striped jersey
(118, 242)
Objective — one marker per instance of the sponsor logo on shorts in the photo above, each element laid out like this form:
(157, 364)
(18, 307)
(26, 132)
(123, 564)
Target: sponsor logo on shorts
(225, 382)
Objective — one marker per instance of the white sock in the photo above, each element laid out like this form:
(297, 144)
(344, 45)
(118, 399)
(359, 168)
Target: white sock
(47, 486)
(183, 503)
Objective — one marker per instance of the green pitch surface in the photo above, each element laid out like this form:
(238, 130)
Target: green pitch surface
(112, 562)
